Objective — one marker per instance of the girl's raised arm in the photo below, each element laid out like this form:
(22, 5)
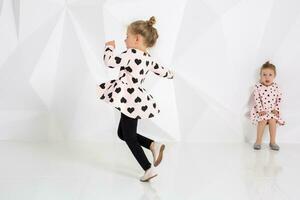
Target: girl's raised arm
(111, 60)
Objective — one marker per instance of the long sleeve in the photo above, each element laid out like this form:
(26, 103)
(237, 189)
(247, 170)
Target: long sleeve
(278, 98)
(161, 71)
(111, 60)
(257, 100)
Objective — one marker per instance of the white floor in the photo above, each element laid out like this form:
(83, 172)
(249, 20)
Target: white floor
(42, 171)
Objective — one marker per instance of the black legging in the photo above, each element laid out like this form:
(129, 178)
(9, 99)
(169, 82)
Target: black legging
(127, 132)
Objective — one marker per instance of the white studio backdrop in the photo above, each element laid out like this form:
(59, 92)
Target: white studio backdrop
(51, 60)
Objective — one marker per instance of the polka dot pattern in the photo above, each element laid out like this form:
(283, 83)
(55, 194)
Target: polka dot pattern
(268, 99)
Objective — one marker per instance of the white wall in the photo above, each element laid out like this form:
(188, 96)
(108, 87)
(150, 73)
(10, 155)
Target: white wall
(51, 60)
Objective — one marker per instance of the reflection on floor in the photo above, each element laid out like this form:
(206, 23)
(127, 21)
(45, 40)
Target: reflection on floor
(88, 171)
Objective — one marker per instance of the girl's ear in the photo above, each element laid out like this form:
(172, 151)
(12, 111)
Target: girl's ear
(138, 38)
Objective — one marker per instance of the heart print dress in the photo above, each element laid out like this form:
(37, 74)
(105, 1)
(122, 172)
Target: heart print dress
(126, 93)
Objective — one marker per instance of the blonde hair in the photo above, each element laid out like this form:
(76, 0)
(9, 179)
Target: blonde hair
(268, 65)
(146, 30)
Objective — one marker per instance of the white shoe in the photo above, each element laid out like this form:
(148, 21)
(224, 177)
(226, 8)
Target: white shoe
(149, 174)
(157, 153)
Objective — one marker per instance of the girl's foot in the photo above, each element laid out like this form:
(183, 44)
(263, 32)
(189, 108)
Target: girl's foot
(149, 174)
(257, 146)
(274, 147)
(157, 152)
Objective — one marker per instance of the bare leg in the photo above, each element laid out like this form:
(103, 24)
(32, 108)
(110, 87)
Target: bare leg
(152, 146)
(272, 129)
(260, 131)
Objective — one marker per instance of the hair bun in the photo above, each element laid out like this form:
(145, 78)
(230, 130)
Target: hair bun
(268, 62)
(151, 21)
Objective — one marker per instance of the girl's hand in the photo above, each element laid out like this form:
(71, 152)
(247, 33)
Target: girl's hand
(111, 43)
(262, 113)
(275, 112)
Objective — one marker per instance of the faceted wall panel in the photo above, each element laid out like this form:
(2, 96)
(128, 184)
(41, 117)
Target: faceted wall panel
(51, 61)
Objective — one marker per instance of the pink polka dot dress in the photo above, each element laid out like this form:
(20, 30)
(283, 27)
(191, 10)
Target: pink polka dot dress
(266, 98)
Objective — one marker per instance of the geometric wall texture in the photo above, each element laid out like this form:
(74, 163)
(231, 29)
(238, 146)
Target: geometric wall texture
(51, 61)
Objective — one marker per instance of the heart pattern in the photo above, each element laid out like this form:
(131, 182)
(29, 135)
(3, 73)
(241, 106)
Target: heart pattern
(135, 80)
(137, 61)
(144, 108)
(117, 90)
(130, 109)
(130, 90)
(118, 60)
(128, 69)
(137, 100)
(126, 93)
(123, 100)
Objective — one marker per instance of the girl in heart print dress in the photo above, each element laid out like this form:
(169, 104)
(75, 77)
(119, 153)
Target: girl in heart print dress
(128, 95)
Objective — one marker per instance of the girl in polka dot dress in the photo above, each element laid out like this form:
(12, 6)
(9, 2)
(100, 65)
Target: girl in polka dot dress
(267, 98)
(128, 95)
